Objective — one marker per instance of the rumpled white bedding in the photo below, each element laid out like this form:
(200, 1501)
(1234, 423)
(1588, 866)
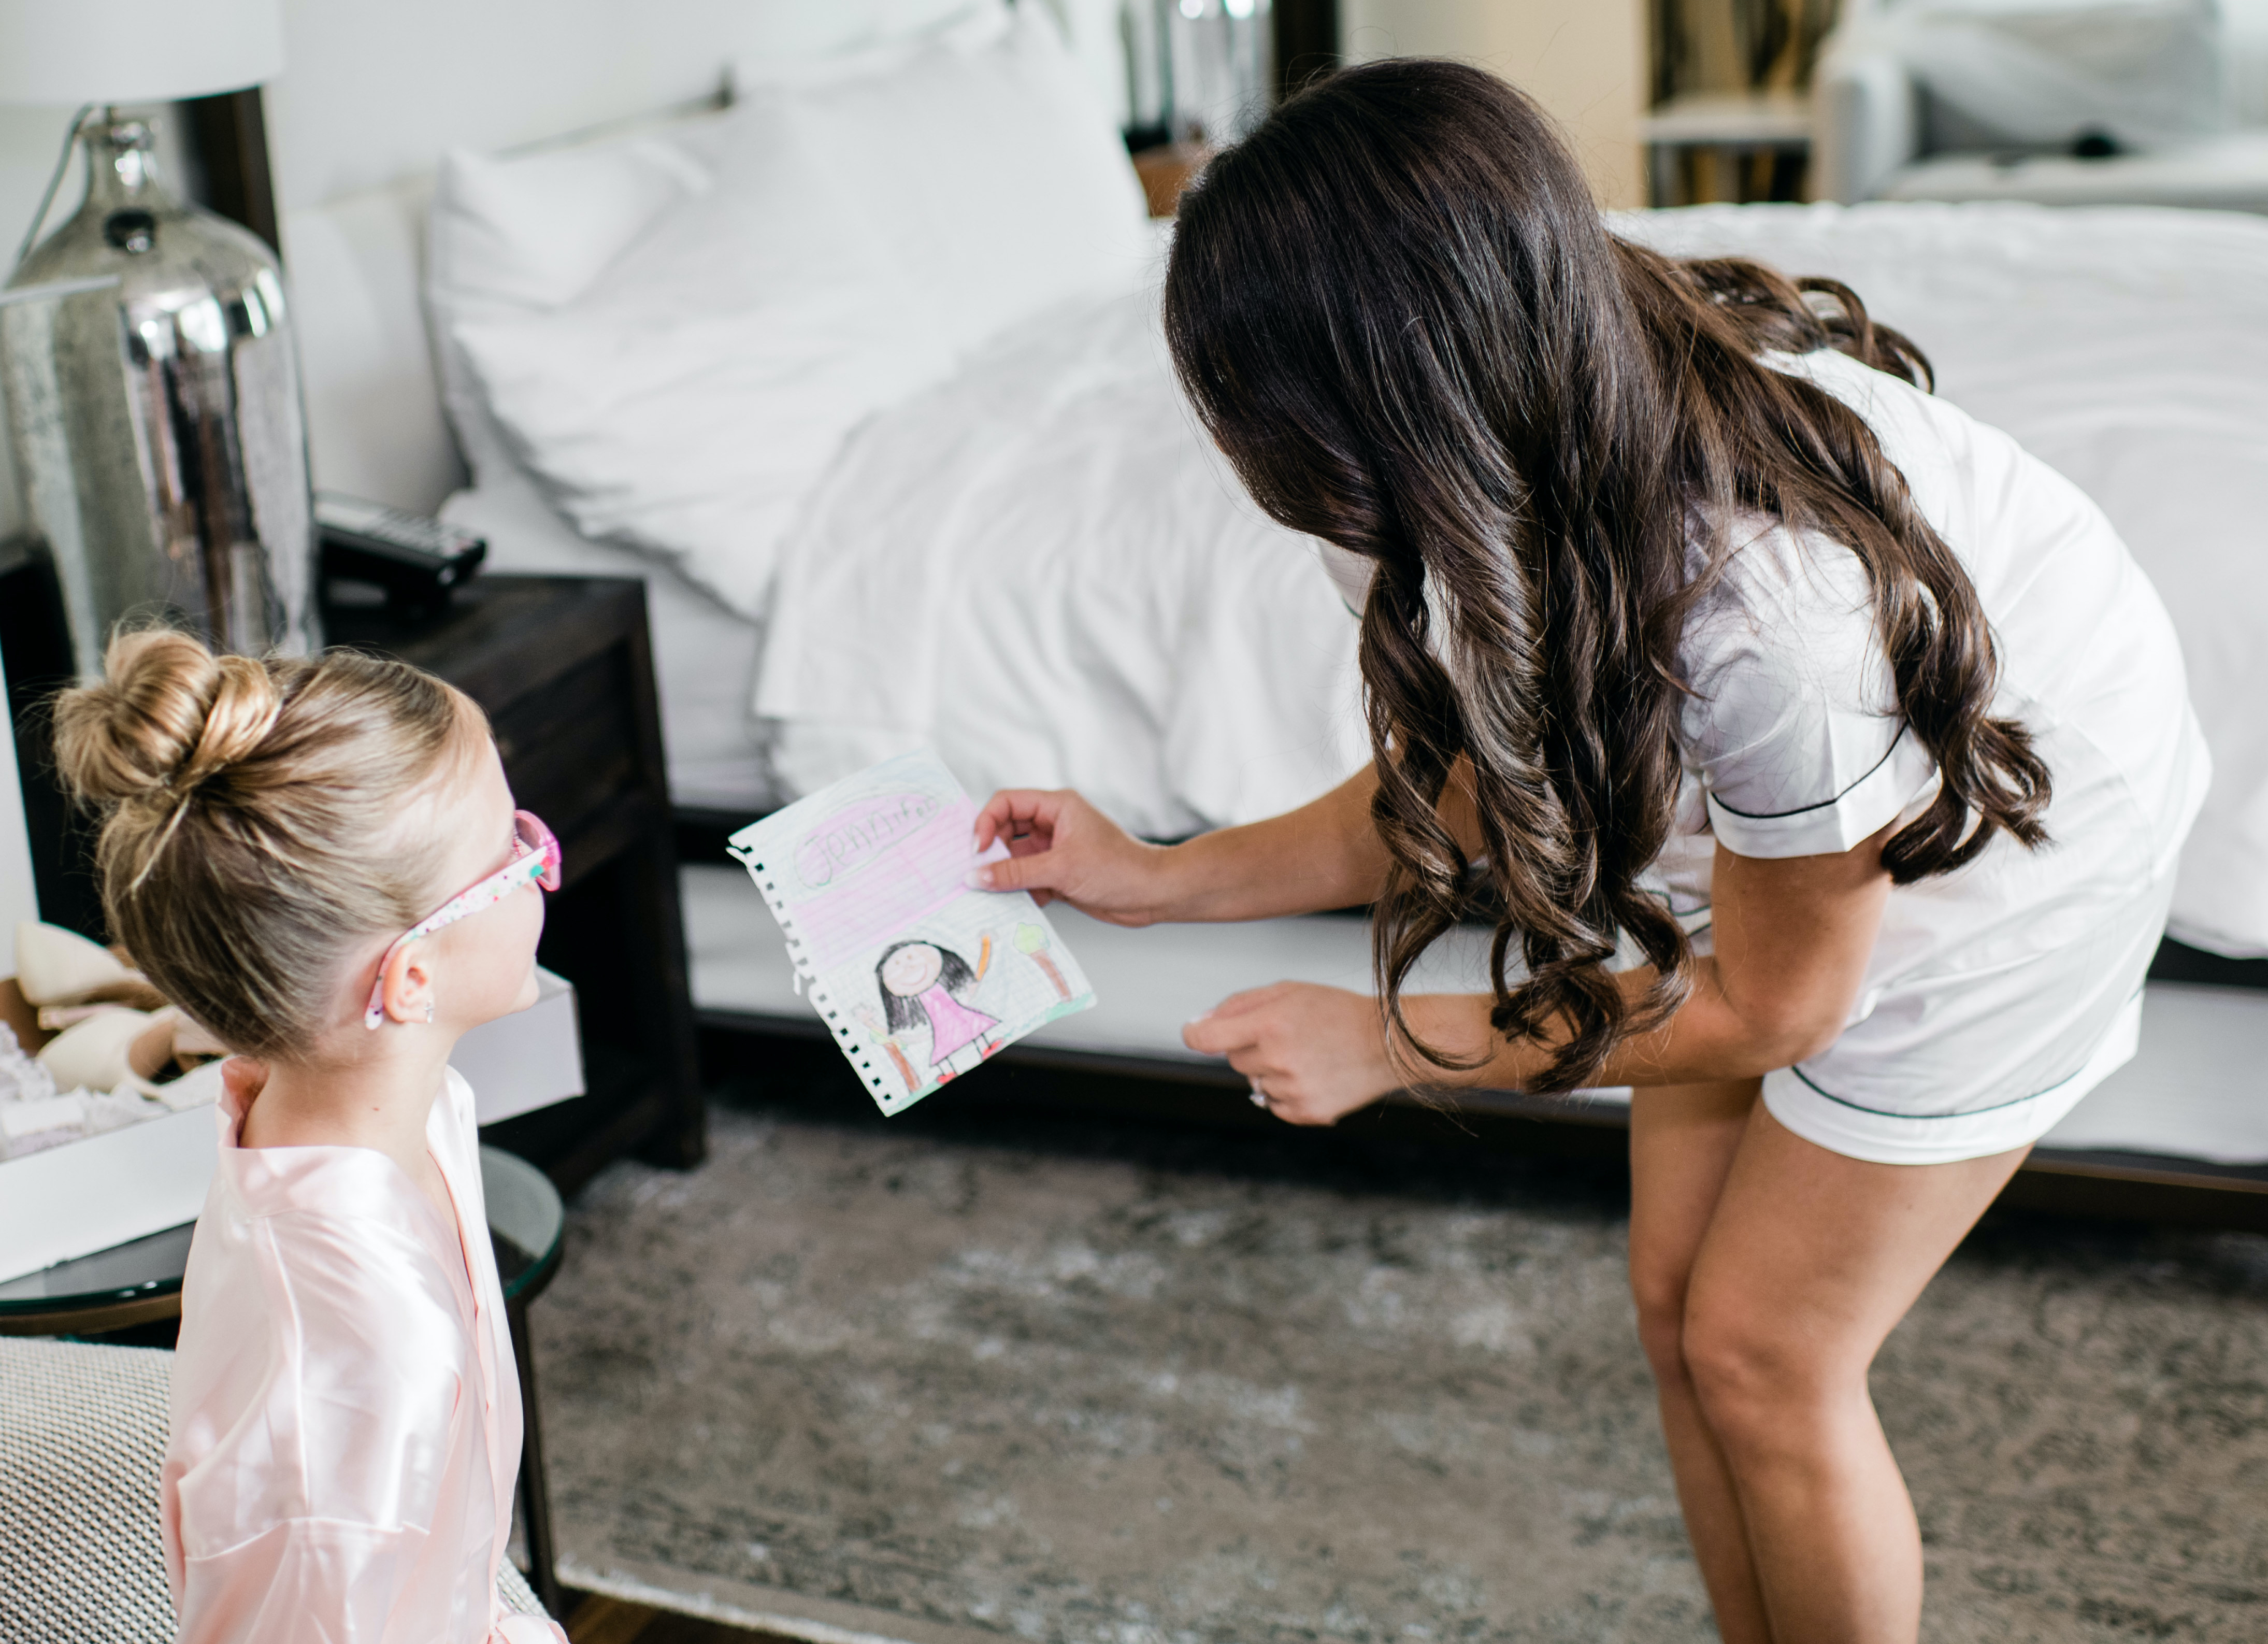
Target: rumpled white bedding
(1043, 567)
(704, 657)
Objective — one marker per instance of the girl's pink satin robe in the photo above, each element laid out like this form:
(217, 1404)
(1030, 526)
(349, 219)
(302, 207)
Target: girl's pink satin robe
(346, 1416)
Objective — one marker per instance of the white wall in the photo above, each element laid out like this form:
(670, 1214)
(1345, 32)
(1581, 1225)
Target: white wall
(370, 93)
(1583, 60)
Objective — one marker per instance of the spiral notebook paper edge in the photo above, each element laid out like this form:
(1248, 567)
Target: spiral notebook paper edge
(815, 989)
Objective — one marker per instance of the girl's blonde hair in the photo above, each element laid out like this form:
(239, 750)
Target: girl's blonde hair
(250, 836)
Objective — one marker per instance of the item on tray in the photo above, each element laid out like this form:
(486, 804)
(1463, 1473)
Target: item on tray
(92, 1055)
(170, 1046)
(22, 1077)
(56, 967)
(122, 1055)
(30, 1127)
(869, 878)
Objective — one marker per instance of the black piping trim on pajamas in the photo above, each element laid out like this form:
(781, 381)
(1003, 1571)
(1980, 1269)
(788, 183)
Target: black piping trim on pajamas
(1823, 804)
(1972, 1112)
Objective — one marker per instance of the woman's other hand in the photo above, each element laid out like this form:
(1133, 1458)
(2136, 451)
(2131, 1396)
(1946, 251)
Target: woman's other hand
(1315, 1053)
(1061, 846)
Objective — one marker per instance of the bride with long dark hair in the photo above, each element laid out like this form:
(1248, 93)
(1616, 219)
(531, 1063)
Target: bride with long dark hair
(1819, 757)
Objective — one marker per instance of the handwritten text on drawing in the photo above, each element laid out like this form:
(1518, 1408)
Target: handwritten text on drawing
(857, 835)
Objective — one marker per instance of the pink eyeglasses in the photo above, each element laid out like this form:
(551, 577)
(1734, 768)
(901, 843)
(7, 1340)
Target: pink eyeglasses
(535, 861)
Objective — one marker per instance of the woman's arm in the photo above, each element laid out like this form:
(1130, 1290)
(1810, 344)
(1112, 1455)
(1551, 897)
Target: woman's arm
(1792, 938)
(1327, 854)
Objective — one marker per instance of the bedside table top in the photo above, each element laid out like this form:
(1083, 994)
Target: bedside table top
(503, 635)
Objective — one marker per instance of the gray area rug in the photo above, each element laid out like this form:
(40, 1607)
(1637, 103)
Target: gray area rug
(969, 1376)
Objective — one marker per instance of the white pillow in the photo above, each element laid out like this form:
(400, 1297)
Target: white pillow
(513, 236)
(858, 236)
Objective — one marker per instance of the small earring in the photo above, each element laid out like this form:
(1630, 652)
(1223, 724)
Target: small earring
(429, 1012)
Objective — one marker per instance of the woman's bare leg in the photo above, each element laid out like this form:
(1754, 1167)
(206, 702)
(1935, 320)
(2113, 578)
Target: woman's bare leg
(1809, 1260)
(1683, 1140)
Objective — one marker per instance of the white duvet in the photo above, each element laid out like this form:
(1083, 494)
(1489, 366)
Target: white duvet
(1043, 567)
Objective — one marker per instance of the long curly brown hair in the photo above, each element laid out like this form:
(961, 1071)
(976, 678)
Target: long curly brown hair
(1396, 308)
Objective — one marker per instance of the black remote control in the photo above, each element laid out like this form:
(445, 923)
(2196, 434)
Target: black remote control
(419, 561)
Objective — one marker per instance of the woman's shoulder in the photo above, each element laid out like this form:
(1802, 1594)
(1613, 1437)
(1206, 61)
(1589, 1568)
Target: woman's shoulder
(1773, 590)
(1968, 478)
(1872, 393)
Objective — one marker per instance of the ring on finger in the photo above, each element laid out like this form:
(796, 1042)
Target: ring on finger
(1259, 1096)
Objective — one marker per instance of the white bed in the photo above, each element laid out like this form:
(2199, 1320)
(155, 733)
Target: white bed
(1030, 558)
(2128, 347)
(704, 657)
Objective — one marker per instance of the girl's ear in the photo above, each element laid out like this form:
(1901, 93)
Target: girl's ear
(405, 985)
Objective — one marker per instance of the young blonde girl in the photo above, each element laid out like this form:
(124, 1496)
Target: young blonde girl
(320, 861)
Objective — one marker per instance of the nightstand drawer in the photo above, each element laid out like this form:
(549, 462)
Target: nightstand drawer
(570, 749)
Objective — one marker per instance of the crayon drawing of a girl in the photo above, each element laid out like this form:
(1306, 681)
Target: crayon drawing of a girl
(921, 985)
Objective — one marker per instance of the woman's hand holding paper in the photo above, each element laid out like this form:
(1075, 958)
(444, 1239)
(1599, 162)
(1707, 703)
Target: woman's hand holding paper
(1061, 846)
(1324, 855)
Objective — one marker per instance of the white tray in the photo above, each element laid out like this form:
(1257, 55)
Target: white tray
(87, 1195)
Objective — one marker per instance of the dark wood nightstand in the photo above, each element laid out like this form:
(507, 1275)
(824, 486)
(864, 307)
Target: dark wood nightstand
(564, 670)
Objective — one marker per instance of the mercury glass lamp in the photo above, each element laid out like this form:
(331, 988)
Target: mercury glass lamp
(146, 353)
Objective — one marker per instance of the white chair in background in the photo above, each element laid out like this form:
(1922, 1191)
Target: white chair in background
(2065, 102)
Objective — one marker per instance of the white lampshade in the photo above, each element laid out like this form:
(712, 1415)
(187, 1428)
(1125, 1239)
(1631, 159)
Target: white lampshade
(135, 51)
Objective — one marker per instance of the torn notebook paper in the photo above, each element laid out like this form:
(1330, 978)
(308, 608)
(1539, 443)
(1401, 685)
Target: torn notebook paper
(917, 977)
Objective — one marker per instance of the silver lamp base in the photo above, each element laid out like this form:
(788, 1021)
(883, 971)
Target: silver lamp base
(153, 404)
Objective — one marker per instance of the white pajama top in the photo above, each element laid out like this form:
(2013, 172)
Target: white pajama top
(1999, 994)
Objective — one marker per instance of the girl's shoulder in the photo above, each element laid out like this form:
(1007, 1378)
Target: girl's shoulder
(322, 1249)
(368, 1278)
(334, 1334)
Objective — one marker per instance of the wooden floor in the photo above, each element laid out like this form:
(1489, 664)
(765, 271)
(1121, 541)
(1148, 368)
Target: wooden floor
(594, 1618)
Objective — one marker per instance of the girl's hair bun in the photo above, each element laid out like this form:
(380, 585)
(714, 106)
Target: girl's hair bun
(167, 715)
(253, 833)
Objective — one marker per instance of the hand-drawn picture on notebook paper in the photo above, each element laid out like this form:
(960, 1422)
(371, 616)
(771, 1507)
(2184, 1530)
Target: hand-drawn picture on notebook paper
(911, 970)
(1032, 941)
(927, 987)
